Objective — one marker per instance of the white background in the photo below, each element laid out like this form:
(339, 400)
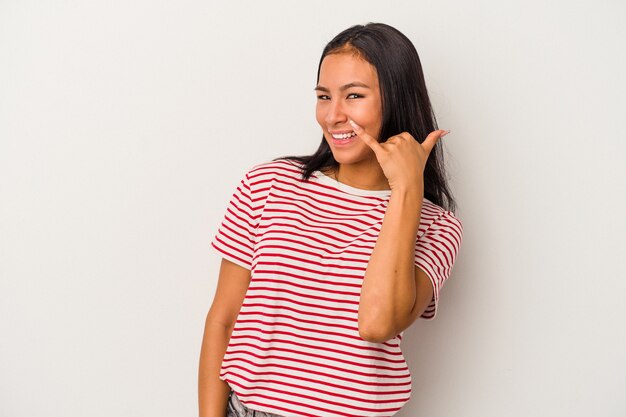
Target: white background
(126, 125)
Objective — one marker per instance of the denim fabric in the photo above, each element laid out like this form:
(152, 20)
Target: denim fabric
(237, 409)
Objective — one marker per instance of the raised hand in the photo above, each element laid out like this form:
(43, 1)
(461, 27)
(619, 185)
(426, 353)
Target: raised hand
(401, 157)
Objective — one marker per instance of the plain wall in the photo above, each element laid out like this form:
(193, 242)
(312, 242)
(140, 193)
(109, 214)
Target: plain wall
(125, 126)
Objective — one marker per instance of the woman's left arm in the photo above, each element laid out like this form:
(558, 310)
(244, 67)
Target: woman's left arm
(394, 290)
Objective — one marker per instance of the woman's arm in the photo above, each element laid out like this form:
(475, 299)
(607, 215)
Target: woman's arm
(394, 291)
(389, 292)
(231, 289)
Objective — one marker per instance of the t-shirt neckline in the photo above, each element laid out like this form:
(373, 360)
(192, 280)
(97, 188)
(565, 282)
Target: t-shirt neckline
(325, 179)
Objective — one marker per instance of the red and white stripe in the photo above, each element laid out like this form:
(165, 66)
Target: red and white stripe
(295, 348)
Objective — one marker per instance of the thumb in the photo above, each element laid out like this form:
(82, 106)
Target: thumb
(432, 139)
(369, 140)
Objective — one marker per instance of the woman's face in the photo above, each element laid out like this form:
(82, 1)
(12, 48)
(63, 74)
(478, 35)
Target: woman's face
(348, 89)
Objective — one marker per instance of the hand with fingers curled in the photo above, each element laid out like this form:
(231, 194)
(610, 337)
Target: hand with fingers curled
(401, 157)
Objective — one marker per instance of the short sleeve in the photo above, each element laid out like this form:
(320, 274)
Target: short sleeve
(236, 235)
(435, 253)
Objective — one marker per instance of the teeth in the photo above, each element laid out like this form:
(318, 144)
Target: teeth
(344, 135)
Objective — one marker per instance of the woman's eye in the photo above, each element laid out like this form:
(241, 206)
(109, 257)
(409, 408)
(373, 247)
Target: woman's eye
(350, 96)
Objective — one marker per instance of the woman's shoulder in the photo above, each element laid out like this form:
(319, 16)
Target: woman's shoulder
(264, 175)
(438, 214)
(280, 167)
(434, 208)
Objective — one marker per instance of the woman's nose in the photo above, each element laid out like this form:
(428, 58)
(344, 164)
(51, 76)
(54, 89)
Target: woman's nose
(336, 114)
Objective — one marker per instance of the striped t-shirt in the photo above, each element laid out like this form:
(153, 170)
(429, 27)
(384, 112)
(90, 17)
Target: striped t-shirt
(295, 349)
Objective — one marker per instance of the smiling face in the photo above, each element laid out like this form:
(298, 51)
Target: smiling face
(348, 89)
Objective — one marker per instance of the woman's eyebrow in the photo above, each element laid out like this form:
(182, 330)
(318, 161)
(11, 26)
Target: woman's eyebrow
(344, 87)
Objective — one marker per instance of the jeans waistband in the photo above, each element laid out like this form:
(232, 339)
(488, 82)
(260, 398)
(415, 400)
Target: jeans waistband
(237, 409)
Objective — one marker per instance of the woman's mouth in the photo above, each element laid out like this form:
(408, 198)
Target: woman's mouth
(343, 138)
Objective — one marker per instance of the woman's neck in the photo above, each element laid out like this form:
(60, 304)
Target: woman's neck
(364, 178)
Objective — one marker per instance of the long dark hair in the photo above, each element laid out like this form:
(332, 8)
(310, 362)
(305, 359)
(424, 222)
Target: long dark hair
(405, 103)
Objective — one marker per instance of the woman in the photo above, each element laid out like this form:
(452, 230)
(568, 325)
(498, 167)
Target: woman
(328, 258)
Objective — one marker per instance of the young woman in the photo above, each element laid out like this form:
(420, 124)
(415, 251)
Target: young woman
(328, 258)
